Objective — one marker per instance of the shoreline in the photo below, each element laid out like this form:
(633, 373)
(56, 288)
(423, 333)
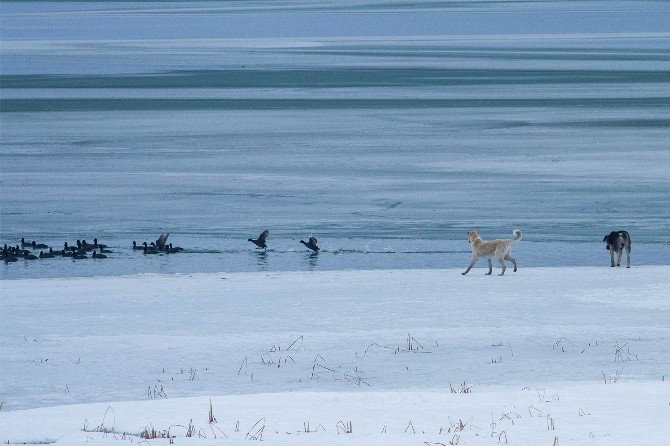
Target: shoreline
(480, 266)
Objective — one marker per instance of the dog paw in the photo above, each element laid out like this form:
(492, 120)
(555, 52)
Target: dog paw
(501, 274)
(462, 274)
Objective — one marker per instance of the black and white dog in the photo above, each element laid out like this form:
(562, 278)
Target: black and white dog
(617, 241)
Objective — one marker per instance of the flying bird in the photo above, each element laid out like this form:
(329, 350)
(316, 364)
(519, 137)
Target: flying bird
(162, 241)
(260, 241)
(311, 244)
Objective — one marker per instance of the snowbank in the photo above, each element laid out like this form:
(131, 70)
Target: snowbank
(583, 348)
(593, 414)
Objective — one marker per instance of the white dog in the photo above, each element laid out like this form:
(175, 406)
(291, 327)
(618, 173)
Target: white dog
(501, 248)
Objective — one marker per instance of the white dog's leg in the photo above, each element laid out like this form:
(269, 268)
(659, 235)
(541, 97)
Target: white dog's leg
(511, 259)
(502, 265)
(490, 267)
(474, 260)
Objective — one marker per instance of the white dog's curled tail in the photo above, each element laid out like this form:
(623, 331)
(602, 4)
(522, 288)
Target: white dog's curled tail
(517, 235)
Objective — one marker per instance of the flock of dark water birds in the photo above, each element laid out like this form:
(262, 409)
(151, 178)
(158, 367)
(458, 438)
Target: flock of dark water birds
(159, 246)
(80, 250)
(25, 249)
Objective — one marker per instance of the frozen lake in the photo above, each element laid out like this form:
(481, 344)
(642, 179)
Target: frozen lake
(387, 149)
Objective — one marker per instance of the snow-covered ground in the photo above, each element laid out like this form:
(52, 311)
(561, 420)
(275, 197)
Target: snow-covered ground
(575, 414)
(542, 356)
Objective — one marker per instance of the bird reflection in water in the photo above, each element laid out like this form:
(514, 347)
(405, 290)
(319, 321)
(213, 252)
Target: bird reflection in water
(313, 260)
(262, 260)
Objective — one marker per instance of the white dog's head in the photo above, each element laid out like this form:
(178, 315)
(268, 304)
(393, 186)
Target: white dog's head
(472, 236)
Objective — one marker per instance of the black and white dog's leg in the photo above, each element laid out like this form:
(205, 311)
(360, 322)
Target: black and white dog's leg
(619, 255)
(612, 256)
(628, 256)
(490, 267)
(474, 260)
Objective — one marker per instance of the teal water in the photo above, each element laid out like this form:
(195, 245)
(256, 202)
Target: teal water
(386, 147)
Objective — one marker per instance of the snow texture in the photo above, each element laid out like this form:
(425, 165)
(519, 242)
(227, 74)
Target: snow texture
(583, 348)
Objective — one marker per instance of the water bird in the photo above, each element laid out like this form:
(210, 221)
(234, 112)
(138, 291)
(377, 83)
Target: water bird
(260, 241)
(149, 249)
(18, 252)
(85, 246)
(65, 253)
(311, 244)
(24, 243)
(98, 256)
(99, 245)
(46, 255)
(137, 247)
(8, 254)
(161, 241)
(173, 250)
(79, 255)
(28, 256)
(103, 250)
(36, 245)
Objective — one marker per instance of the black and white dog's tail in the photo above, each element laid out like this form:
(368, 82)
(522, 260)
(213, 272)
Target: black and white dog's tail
(517, 235)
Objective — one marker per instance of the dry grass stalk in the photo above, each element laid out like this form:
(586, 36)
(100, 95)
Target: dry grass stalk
(550, 423)
(612, 379)
(102, 427)
(463, 388)
(150, 433)
(500, 436)
(244, 365)
(412, 426)
(256, 431)
(301, 338)
(156, 392)
(212, 418)
(506, 415)
(344, 427)
(212, 427)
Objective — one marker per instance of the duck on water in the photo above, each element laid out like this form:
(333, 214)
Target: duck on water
(46, 255)
(98, 256)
